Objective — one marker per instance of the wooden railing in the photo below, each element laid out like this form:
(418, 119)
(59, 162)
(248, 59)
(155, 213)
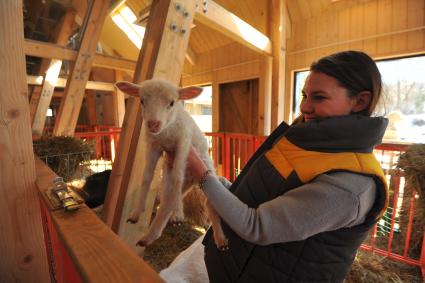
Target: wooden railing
(81, 248)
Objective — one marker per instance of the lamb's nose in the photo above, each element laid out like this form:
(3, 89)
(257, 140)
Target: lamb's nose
(154, 126)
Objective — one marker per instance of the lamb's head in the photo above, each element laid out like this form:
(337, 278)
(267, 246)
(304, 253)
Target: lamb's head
(159, 101)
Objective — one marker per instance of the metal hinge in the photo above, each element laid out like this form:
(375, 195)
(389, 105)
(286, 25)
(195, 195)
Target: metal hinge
(61, 197)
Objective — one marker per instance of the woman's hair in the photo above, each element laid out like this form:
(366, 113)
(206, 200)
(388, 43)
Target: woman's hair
(355, 71)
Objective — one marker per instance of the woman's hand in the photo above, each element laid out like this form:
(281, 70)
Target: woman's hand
(194, 163)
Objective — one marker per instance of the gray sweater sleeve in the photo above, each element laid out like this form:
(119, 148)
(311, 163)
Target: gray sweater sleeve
(327, 203)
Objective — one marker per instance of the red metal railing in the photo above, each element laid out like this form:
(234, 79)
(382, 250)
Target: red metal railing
(105, 139)
(230, 152)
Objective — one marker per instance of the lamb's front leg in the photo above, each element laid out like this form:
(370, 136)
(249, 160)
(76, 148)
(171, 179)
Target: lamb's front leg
(152, 156)
(166, 207)
(178, 174)
(170, 197)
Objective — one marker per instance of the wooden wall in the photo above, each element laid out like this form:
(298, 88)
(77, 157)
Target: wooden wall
(382, 28)
(230, 63)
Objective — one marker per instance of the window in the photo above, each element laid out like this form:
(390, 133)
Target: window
(200, 108)
(403, 100)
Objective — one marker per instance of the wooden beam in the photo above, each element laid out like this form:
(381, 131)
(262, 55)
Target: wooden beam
(54, 51)
(61, 82)
(48, 50)
(161, 56)
(69, 108)
(120, 100)
(91, 107)
(110, 62)
(264, 98)
(216, 17)
(278, 33)
(23, 251)
(51, 76)
(191, 56)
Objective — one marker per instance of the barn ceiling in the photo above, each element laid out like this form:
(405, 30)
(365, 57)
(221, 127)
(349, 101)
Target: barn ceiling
(203, 38)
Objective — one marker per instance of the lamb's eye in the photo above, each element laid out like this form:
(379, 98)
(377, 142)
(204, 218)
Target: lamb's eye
(171, 104)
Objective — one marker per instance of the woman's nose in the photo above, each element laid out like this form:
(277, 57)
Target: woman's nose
(306, 106)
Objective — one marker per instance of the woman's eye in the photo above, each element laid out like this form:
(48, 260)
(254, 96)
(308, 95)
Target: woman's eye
(171, 104)
(319, 97)
(142, 101)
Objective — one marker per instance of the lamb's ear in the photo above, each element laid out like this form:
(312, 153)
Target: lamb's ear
(129, 88)
(189, 92)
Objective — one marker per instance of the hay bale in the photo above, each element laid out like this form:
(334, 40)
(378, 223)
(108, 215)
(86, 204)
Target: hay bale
(412, 162)
(194, 208)
(371, 268)
(63, 154)
(172, 242)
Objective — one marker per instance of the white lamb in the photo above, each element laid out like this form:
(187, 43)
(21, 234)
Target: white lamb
(169, 128)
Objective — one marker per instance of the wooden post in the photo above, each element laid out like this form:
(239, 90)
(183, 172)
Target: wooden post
(264, 99)
(162, 56)
(91, 107)
(278, 31)
(120, 99)
(23, 253)
(70, 106)
(42, 101)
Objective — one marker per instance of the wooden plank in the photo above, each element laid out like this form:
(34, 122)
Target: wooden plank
(264, 103)
(43, 100)
(115, 63)
(383, 46)
(51, 76)
(161, 56)
(23, 254)
(48, 50)
(399, 22)
(61, 82)
(416, 18)
(191, 55)
(54, 51)
(96, 252)
(216, 17)
(69, 108)
(91, 107)
(120, 100)
(278, 34)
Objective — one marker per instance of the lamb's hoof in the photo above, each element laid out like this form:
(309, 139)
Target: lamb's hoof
(142, 243)
(132, 221)
(224, 248)
(176, 223)
(223, 245)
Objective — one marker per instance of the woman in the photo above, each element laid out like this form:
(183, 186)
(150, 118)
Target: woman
(308, 197)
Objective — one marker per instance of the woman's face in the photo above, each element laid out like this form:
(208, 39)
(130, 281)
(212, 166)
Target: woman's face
(324, 97)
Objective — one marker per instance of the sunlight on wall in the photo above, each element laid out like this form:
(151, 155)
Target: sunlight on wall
(124, 18)
(52, 74)
(250, 34)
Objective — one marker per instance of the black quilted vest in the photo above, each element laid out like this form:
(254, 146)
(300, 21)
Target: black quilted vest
(324, 257)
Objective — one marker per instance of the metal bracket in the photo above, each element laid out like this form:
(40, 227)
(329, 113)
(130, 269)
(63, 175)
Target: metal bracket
(61, 197)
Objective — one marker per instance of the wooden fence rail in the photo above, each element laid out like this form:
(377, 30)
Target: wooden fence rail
(82, 248)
